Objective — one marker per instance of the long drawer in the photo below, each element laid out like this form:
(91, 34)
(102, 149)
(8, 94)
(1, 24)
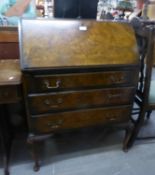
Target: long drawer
(58, 82)
(77, 119)
(69, 100)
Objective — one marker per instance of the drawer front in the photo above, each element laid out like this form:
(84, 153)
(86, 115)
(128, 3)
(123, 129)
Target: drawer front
(78, 119)
(79, 99)
(9, 50)
(9, 94)
(79, 80)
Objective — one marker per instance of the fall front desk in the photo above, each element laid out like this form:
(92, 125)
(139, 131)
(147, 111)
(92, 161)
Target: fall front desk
(77, 73)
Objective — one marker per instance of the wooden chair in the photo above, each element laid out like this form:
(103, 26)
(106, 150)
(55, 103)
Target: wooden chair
(145, 96)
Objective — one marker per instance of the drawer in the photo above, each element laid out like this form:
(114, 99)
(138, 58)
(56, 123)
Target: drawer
(69, 100)
(78, 119)
(48, 83)
(9, 94)
(9, 50)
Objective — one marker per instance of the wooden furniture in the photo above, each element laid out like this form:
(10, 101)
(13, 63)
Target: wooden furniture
(154, 56)
(10, 77)
(10, 86)
(77, 74)
(9, 48)
(145, 96)
(10, 92)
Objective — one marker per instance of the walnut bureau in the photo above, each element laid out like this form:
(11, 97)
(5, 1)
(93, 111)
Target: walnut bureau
(77, 74)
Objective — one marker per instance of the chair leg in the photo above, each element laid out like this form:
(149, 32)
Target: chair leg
(136, 129)
(148, 114)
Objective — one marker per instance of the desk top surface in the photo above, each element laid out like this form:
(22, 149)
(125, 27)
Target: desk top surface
(10, 73)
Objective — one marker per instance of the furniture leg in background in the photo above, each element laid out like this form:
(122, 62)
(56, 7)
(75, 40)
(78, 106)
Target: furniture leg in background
(10, 92)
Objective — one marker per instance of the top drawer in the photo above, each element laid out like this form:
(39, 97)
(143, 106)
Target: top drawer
(46, 83)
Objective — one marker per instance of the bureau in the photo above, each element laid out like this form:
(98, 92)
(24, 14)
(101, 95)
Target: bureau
(77, 74)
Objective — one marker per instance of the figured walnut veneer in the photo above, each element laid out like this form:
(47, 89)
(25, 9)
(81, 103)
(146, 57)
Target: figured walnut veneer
(9, 46)
(50, 44)
(77, 74)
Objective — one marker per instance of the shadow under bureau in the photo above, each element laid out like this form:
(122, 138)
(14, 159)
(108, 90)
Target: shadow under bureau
(77, 74)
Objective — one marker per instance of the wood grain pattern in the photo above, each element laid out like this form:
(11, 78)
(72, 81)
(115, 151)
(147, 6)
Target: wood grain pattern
(77, 74)
(10, 73)
(9, 45)
(8, 34)
(61, 43)
(40, 83)
(9, 51)
(77, 119)
(59, 101)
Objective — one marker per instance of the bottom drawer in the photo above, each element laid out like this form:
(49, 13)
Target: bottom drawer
(77, 119)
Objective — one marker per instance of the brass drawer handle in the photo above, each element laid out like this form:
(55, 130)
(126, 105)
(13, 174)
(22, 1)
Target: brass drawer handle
(115, 79)
(47, 84)
(114, 95)
(51, 104)
(55, 125)
(111, 119)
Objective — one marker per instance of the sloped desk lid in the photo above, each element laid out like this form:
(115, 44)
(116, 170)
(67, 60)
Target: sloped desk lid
(73, 43)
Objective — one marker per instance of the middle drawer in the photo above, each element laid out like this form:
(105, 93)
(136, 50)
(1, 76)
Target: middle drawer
(67, 100)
